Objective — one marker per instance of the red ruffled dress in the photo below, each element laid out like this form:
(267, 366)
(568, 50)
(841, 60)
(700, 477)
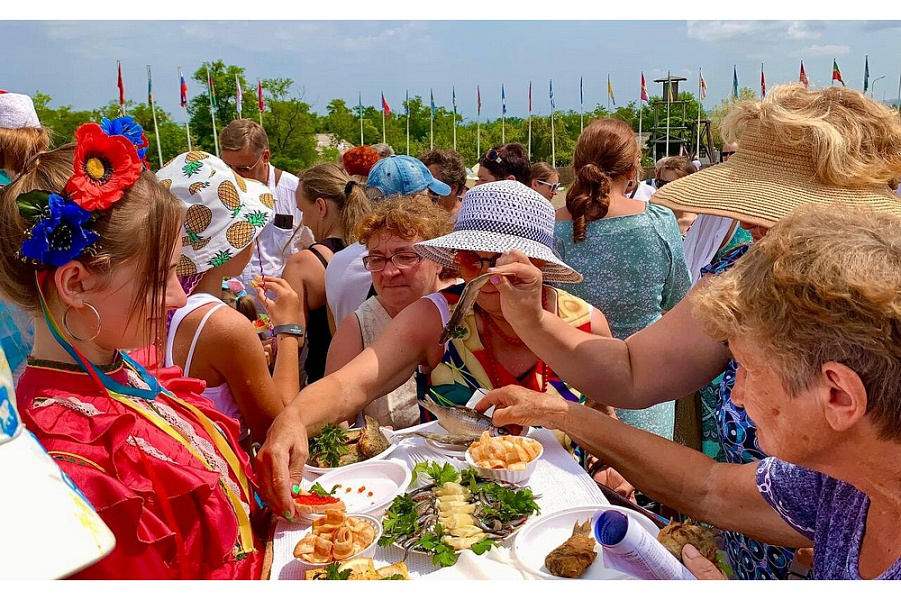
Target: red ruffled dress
(127, 467)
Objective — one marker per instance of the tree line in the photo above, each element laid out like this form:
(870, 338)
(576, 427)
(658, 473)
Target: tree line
(292, 126)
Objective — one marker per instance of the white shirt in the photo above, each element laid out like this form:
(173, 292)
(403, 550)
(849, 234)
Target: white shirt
(347, 282)
(644, 191)
(269, 255)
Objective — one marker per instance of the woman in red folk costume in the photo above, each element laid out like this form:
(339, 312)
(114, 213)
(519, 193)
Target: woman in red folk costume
(95, 263)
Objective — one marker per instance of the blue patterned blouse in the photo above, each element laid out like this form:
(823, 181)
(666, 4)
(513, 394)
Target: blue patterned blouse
(738, 443)
(634, 268)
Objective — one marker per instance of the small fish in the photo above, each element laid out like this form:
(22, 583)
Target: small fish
(571, 558)
(441, 438)
(460, 420)
(464, 305)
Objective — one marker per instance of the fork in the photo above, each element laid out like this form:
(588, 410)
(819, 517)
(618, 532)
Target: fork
(467, 299)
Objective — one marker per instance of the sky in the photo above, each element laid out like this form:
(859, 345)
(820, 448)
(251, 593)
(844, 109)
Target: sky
(74, 61)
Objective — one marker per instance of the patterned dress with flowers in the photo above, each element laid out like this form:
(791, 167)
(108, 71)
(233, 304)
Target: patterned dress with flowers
(466, 363)
(170, 513)
(738, 445)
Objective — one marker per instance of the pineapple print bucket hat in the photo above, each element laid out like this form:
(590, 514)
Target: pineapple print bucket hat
(225, 211)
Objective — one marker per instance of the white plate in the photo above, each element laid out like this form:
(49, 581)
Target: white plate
(384, 479)
(311, 472)
(540, 535)
(368, 551)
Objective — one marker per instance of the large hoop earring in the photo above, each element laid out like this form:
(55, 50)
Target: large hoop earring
(69, 331)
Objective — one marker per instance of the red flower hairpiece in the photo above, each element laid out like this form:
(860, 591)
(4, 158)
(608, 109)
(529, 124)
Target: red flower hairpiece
(105, 166)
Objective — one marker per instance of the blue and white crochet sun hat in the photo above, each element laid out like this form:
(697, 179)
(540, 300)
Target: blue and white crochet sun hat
(501, 216)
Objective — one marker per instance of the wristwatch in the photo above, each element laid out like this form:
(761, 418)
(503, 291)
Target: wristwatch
(290, 329)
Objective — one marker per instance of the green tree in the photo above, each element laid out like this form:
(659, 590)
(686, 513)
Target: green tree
(290, 126)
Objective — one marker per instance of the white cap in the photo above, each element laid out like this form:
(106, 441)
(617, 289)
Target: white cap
(49, 528)
(17, 110)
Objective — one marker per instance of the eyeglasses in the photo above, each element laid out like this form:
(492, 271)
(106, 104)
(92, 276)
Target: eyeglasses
(246, 170)
(661, 182)
(474, 261)
(725, 154)
(495, 156)
(401, 260)
(554, 186)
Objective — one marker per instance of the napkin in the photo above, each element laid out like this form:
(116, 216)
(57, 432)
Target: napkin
(497, 563)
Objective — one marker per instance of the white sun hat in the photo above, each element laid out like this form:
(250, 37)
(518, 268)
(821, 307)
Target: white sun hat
(501, 216)
(17, 111)
(49, 528)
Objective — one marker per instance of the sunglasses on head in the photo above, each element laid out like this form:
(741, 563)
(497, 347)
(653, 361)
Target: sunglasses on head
(554, 186)
(494, 155)
(727, 153)
(661, 182)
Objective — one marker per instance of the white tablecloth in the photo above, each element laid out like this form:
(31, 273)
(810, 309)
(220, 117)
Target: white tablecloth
(558, 480)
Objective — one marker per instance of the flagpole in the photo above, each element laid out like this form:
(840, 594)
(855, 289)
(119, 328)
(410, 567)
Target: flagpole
(431, 121)
(156, 129)
(260, 93)
(384, 133)
(608, 92)
(640, 111)
(408, 122)
(698, 147)
(581, 107)
(212, 112)
(361, 118)
(669, 101)
(553, 148)
(187, 116)
(479, 122)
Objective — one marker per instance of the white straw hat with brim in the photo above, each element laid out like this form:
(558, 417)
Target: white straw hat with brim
(501, 216)
(50, 530)
(763, 182)
(225, 212)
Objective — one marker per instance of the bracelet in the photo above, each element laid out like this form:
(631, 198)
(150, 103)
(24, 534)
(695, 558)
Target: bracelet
(289, 329)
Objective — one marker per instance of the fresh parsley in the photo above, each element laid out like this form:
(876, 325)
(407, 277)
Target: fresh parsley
(333, 572)
(320, 491)
(399, 520)
(437, 472)
(443, 554)
(330, 445)
(483, 546)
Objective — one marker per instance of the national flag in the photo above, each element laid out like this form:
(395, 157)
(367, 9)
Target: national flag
(530, 97)
(212, 90)
(183, 86)
(553, 104)
(261, 104)
(702, 85)
(454, 98)
(385, 106)
(503, 101)
(644, 89)
(734, 82)
(762, 82)
(610, 90)
(803, 77)
(121, 86)
(836, 74)
(149, 87)
(478, 101)
(866, 73)
(239, 96)
(432, 101)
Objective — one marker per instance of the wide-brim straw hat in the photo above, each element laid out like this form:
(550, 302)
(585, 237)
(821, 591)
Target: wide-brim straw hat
(501, 216)
(764, 181)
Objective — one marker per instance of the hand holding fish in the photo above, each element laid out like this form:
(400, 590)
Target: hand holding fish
(515, 404)
(520, 290)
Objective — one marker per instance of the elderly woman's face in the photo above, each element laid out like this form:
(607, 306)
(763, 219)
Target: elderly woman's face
(786, 425)
(400, 286)
(472, 264)
(757, 231)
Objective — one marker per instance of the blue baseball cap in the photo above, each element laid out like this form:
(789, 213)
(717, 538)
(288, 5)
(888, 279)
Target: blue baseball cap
(402, 175)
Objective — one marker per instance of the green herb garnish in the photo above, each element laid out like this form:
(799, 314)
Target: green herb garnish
(320, 491)
(437, 472)
(399, 520)
(397, 576)
(330, 445)
(483, 546)
(443, 554)
(333, 572)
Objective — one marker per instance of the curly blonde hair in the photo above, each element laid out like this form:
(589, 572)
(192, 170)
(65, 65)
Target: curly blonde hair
(823, 285)
(851, 139)
(407, 217)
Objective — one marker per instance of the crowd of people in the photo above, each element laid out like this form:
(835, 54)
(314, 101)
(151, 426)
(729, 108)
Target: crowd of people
(177, 337)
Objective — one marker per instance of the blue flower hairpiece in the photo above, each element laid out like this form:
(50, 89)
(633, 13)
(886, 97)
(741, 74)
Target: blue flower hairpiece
(62, 231)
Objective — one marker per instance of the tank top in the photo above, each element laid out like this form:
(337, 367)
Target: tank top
(220, 395)
(397, 409)
(319, 335)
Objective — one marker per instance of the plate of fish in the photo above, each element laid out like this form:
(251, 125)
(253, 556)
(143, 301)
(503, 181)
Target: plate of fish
(458, 427)
(335, 447)
(561, 545)
(455, 511)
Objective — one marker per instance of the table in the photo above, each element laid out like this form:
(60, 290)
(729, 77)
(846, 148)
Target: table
(558, 479)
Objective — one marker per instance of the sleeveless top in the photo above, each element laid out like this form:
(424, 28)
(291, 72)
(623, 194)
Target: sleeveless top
(220, 395)
(319, 335)
(397, 409)
(466, 363)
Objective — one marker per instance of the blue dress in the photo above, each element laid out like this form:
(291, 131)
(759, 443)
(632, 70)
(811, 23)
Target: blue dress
(633, 268)
(738, 443)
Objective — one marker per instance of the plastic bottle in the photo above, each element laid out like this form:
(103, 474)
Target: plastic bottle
(632, 550)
